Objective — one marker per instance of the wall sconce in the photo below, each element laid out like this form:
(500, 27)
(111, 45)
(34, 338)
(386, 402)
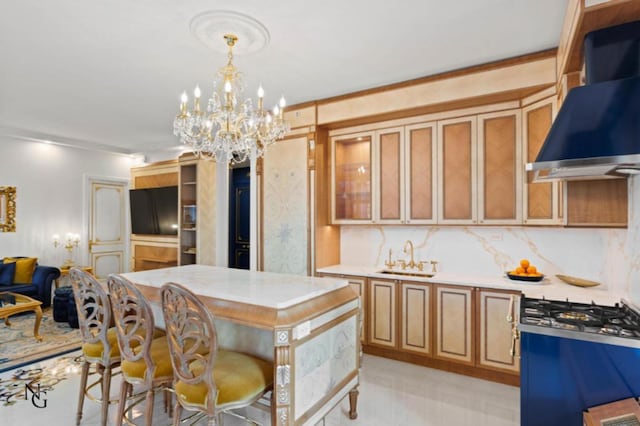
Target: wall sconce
(70, 241)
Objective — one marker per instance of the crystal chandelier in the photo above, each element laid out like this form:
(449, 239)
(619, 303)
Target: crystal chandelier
(231, 129)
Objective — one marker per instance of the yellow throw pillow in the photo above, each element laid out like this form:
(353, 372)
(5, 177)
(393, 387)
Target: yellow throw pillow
(24, 268)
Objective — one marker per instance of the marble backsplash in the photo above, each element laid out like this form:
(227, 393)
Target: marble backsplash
(610, 256)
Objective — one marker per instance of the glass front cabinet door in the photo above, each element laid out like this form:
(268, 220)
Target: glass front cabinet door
(351, 178)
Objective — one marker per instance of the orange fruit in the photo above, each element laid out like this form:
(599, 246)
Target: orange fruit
(532, 270)
(524, 263)
(519, 270)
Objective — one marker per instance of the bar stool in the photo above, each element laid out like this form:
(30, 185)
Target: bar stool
(207, 379)
(99, 342)
(143, 348)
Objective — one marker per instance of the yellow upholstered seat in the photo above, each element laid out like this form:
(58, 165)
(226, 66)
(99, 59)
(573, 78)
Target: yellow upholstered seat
(159, 355)
(209, 380)
(238, 377)
(96, 349)
(143, 348)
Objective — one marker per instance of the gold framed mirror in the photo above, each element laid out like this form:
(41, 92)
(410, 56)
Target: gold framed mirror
(7, 209)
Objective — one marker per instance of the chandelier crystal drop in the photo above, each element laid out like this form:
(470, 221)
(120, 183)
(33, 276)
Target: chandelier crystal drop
(231, 129)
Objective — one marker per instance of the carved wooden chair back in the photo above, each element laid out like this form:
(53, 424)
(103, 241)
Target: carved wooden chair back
(94, 313)
(134, 324)
(192, 337)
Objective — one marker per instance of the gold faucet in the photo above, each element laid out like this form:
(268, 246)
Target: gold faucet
(389, 263)
(412, 263)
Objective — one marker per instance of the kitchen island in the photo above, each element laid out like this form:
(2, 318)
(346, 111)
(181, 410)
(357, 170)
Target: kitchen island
(308, 327)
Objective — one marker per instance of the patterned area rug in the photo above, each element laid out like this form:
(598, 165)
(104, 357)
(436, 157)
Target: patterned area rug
(18, 347)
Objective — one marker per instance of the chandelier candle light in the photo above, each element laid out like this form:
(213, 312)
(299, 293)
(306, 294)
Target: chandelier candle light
(71, 241)
(231, 130)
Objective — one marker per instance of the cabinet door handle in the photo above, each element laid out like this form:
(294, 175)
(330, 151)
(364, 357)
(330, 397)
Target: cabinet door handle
(510, 312)
(515, 336)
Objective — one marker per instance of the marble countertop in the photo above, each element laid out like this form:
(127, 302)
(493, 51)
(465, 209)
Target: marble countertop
(266, 289)
(550, 287)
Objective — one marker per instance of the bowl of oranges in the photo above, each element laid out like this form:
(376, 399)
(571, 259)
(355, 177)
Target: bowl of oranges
(525, 272)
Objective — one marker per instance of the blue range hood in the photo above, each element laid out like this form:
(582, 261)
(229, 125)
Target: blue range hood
(596, 134)
(597, 131)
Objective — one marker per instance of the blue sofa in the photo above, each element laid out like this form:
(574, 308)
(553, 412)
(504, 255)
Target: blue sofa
(40, 287)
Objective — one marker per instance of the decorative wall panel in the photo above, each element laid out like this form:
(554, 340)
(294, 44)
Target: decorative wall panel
(285, 207)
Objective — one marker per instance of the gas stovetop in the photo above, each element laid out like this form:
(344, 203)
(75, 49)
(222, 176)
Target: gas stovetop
(618, 320)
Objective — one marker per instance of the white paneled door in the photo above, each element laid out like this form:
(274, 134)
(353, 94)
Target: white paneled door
(107, 226)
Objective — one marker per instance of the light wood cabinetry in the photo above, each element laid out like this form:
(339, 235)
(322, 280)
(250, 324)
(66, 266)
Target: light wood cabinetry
(359, 285)
(389, 181)
(420, 174)
(382, 313)
(500, 170)
(153, 252)
(352, 178)
(495, 331)
(415, 317)
(454, 323)
(466, 170)
(597, 203)
(457, 162)
(400, 181)
(480, 163)
(455, 328)
(543, 200)
(196, 231)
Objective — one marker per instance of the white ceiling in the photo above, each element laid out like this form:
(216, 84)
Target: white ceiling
(110, 72)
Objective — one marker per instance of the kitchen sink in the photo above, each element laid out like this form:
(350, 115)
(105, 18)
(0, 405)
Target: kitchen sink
(406, 273)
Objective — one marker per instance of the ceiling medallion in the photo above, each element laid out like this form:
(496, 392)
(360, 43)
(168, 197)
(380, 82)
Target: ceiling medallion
(210, 27)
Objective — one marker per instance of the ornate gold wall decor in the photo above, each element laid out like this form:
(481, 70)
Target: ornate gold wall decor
(7, 209)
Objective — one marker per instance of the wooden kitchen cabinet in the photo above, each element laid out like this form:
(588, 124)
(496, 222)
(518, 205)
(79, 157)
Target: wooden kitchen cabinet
(415, 317)
(454, 323)
(382, 313)
(598, 203)
(543, 203)
(359, 285)
(421, 177)
(457, 163)
(389, 179)
(351, 177)
(495, 331)
(500, 170)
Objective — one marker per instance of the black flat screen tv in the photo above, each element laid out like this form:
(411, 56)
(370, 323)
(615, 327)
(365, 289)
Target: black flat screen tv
(154, 211)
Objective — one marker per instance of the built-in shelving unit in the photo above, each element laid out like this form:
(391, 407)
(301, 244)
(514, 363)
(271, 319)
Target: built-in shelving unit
(197, 210)
(188, 213)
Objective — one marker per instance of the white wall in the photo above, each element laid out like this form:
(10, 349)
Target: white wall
(610, 256)
(49, 181)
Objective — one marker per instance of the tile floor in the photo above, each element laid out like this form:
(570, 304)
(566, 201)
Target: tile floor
(391, 393)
